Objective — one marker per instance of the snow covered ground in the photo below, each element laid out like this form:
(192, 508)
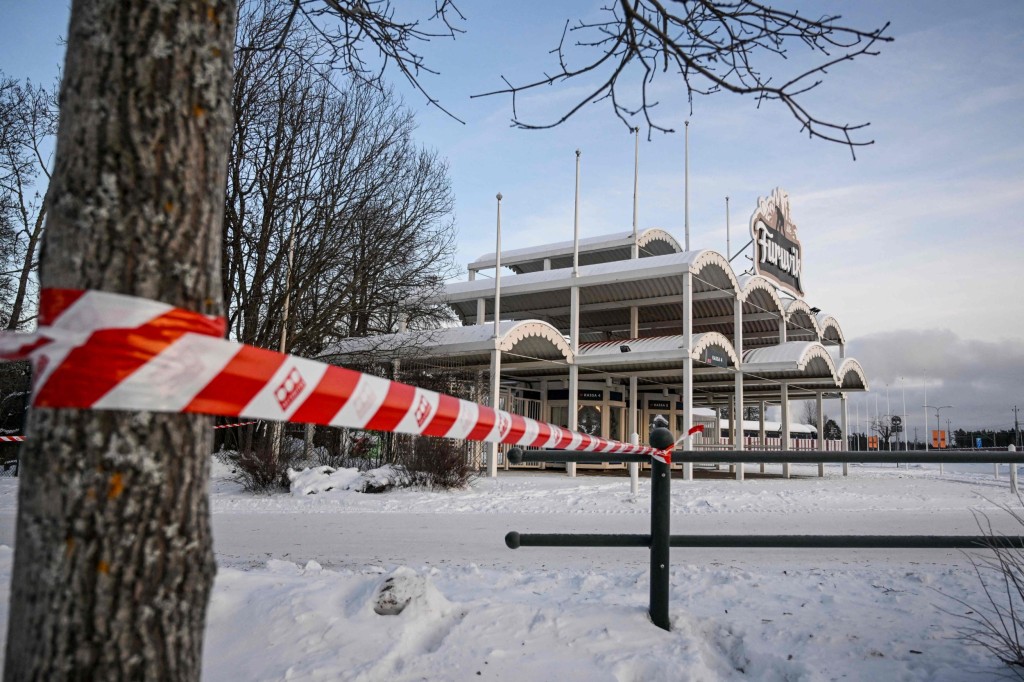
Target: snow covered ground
(299, 576)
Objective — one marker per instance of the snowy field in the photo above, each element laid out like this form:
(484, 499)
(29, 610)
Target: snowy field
(299, 574)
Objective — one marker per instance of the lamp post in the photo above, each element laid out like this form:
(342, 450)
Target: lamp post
(938, 410)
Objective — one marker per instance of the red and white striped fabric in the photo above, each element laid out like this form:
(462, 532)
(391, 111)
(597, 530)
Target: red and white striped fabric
(231, 426)
(666, 455)
(14, 439)
(104, 351)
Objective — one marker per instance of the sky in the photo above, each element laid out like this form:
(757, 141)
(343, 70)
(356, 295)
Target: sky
(913, 247)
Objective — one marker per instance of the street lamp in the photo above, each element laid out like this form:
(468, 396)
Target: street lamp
(938, 410)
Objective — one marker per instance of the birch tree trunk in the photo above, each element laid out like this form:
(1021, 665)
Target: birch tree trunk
(113, 558)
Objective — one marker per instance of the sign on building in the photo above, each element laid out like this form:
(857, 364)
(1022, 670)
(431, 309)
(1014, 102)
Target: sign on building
(777, 251)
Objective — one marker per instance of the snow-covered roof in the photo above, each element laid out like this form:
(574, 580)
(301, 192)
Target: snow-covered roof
(599, 249)
(851, 375)
(755, 425)
(660, 350)
(792, 356)
(829, 331)
(607, 290)
(801, 321)
(532, 340)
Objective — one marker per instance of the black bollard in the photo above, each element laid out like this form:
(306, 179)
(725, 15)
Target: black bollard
(661, 529)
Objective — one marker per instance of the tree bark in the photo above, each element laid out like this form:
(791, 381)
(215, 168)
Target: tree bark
(113, 555)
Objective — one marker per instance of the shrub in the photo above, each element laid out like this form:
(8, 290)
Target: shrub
(257, 469)
(998, 624)
(439, 464)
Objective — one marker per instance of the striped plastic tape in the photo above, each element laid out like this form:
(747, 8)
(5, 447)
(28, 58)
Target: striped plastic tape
(104, 351)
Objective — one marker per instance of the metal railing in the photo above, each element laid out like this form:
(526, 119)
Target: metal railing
(660, 539)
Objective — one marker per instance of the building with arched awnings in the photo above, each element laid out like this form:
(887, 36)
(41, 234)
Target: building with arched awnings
(613, 334)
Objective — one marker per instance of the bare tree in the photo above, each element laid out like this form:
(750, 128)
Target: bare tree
(330, 203)
(883, 427)
(709, 46)
(809, 412)
(28, 119)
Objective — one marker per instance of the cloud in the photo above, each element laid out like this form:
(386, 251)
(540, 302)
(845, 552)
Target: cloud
(982, 380)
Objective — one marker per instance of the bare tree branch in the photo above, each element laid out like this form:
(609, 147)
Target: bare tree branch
(712, 46)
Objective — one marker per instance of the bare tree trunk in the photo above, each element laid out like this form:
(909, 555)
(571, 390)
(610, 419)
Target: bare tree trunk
(113, 557)
(26, 268)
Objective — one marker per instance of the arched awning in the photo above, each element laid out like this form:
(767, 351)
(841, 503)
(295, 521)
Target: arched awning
(659, 359)
(851, 376)
(607, 291)
(830, 333)
(762, 311)
(805, 366)
(801, 322)
(599, 249)
(527, 345)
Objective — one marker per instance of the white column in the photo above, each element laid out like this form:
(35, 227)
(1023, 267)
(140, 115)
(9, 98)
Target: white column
(761, 407)
(784, 429)
(481, 311)
(844, 424)
(634, 407)
(688, 369)
(782, 329)
(1013, 471)
(492, 448)
(821, 433)
(738, 343)
(574, 376)
(492, 455)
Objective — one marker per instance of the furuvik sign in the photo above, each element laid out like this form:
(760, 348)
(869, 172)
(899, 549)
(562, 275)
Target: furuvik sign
(777, 251)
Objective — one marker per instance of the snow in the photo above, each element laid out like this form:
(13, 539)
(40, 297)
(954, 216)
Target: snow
(301, 575)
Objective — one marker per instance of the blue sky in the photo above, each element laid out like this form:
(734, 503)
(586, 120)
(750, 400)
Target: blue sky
(915, 247)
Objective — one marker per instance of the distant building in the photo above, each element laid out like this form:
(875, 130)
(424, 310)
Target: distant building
(641, 329)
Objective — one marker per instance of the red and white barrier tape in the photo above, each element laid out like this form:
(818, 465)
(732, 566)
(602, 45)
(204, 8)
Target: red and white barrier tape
(231, 426)
(103, 351)
(16, 439)
(666, 455)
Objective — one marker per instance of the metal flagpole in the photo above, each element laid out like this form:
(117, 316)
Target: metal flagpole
(636, 183)
(492, 459)
(576, 222)
(728, 239)
(686, 186)
(903, 387)
(926, 414)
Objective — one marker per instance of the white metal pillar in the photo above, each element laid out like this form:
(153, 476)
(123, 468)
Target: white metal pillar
(762, 436)
(821, 432)
(481, 311)
(634, 407)
(688, 369)
(784, 428)
(492, 452)
(574, 374)
(492, 448)
(844, 422)
(738, 409)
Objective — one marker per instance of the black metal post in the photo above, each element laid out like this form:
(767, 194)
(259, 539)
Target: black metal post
(661, 532)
